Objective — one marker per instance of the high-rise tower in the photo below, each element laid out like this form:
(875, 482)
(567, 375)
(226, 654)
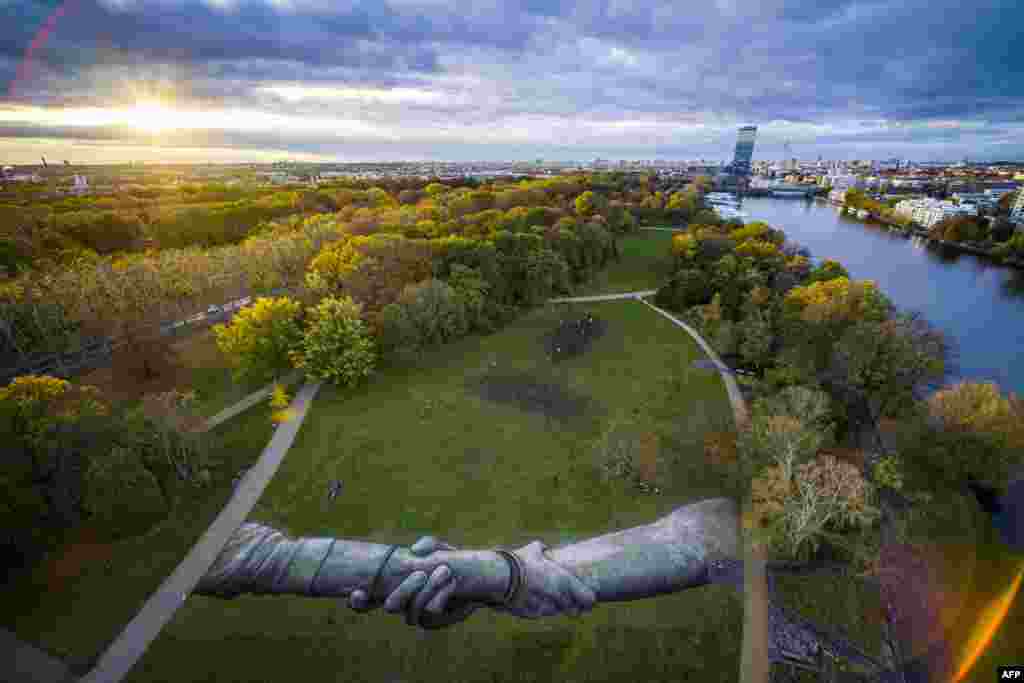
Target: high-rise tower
(744, 150)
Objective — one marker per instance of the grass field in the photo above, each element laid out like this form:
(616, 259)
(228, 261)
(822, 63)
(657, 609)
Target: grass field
(645, 264)
(419, 451)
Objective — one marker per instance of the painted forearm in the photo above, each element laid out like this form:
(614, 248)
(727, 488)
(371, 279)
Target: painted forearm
(666, 556)
(261, 560)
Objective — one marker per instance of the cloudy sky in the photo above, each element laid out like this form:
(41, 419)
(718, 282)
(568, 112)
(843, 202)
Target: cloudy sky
(350, 80)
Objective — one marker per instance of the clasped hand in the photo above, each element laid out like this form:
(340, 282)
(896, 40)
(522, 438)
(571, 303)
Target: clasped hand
(433, 600)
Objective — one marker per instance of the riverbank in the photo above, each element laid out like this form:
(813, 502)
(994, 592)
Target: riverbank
(922, 233)
(977, 302)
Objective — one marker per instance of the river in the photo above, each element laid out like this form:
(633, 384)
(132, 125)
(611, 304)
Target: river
(978, 304)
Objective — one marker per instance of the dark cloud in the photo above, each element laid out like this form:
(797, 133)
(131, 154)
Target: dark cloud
(820, 64)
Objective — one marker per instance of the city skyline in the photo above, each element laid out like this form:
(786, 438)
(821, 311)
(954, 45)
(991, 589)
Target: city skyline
(237, 81)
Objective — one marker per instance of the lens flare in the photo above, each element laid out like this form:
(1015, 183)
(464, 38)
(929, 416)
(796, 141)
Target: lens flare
(987, 626)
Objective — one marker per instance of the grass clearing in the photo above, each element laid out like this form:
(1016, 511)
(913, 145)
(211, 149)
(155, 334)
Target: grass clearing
(646, 264)
(420, 451)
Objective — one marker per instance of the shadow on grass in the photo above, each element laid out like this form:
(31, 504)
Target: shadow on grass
(528, 393)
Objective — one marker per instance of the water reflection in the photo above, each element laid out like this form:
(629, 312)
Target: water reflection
(978, 303)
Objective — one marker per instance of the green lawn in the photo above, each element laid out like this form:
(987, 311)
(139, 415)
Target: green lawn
(646, 264)
(76, 617)
(420, 452)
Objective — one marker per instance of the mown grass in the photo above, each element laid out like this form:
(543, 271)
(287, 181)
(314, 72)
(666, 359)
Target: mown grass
(645, 264)
(420, 452)
(74, 611)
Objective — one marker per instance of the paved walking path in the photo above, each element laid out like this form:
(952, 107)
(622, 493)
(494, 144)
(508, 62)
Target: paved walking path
(249, 401)
(754, 667)
(602, 297)
(739, 405)
(136, 636)
(24, 663)
(666, 229)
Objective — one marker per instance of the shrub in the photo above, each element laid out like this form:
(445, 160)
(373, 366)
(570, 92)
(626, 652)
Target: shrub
(888, 472)
(122, 495)
(629, 451)
(785, 431)
(828, 270)
(337, 346)
(816, 503)
(261, 337)
(279, 402)
(175, 432)
(471, 288)
(755, 331)
(720, 447)
(31, 403)
(689, 287)
(757, 249)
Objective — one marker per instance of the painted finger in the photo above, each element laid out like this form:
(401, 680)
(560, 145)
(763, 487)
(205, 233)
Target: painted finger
(438, 578)
(439, 602)
(400, 597)
(562, 598)
(359, 601)
(424, 546)
(547, 608)
(583, 595)
(427, 545)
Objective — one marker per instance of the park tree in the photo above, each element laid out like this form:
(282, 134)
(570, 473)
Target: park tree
(1002, 229)
(435, 189)
(372, 269)
(426, 314)
(51, 427)
(757, 338)
(1006, 202)
(472, 290)
(969, 431)
(959, 229)
(811, 506)
(587, 204)
(121, 494)
(787, 428)
(828, 270)
(260, 338)
(881, 368)
(688, 287)
(705, 217)
(336, 345)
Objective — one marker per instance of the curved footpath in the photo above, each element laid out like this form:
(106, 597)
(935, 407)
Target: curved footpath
(131, 644)
(755, 664)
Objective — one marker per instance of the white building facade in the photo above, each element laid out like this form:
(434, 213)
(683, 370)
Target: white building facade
(1017, 209)
(927, 211)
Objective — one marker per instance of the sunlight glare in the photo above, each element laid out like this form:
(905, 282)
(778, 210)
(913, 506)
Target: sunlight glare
(987, 627)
